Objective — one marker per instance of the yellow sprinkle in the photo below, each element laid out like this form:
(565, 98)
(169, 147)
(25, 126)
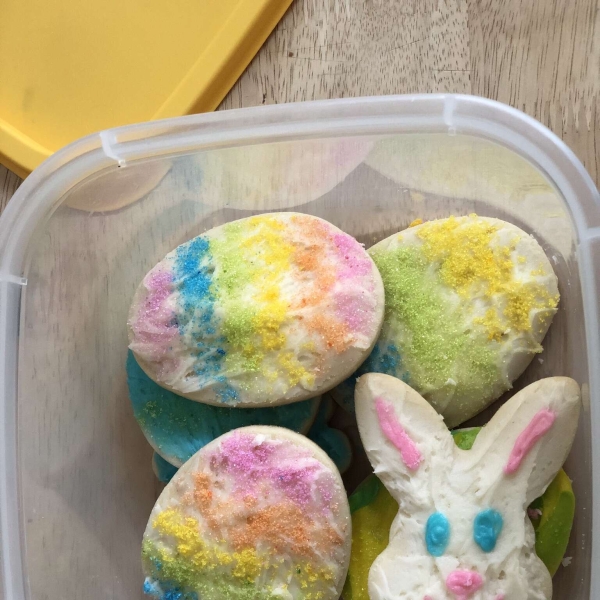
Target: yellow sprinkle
(473, 265)
(491, 322)
(416, 222)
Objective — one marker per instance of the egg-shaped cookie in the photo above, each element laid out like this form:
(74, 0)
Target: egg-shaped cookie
(266, 310)
(259, 513)
(177, 427)
(468, 303)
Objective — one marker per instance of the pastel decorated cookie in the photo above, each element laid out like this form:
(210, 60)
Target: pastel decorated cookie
(266, 310)
(332, 440)
(258, 514)
(163, 470)
(177, 428)
(462, 529)
(373, 511)
(468, 303)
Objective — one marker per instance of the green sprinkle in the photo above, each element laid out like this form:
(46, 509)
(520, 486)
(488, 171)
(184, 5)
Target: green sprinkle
(443, 356)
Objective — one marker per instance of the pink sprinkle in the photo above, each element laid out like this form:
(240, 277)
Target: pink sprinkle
(153, 324)
(394, 432)
(296, 483)
(326, 487)
(538, 426)
(355, 311)
(499, 597)
(240, 453)
(427, 597)
(463, 583)
(251, 464)
(534, 513)
(356, 264)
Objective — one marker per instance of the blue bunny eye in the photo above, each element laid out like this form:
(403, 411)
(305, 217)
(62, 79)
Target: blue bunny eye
(486, 529)
(437, 534)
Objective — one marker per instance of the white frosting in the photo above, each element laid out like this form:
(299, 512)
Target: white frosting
(513, 351)
(262, 311)
(260, 510)
(460, 484)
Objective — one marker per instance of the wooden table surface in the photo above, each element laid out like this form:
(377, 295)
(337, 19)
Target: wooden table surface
(541, 57)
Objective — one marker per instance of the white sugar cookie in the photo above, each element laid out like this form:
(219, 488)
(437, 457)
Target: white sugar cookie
(257, 312)
(260, 513)
(462, 529)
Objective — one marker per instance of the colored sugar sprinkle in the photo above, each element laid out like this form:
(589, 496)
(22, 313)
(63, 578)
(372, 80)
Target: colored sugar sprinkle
(438, 350)
(472, 264)
(253, 544)
(178, 427)
(226, 310)
(247, 462)
(265, 257)
(384, 358)
(154, 328)
(193, 279)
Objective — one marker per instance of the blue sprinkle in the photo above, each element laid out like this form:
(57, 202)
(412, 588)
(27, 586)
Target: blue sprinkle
(178, 427)
(437, 534)
(165, 590)
(226, 392)
(486, 529)
(193, 278)
(383, 359)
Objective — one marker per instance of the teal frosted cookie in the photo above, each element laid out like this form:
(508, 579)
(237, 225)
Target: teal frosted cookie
(332, 440)
(468, 301)
(163, 470)
(177, 427)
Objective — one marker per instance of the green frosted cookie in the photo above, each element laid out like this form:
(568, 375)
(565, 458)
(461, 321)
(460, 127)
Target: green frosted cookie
(553, 525)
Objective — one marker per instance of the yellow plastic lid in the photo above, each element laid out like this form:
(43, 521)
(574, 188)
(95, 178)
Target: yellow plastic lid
(71, 68)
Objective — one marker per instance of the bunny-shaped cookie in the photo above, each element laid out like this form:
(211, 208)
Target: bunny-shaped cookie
(462, 531)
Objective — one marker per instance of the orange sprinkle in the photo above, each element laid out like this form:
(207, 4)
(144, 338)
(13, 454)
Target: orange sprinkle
(318, 237)
(334, 332)
(284, 525)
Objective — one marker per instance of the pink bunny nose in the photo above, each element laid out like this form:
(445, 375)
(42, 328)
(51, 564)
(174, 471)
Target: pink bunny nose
(463, 583)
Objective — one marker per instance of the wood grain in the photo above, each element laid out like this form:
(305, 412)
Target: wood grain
(9, 183)
(541, 57)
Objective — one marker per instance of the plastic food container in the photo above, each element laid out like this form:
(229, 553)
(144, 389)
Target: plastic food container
(76, 486)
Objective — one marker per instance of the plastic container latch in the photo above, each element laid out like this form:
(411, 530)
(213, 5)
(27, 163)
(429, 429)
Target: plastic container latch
(109, 144)
(448, 114)
(10, 278)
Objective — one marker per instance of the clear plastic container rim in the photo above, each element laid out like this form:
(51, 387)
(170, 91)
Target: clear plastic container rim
(42, 191)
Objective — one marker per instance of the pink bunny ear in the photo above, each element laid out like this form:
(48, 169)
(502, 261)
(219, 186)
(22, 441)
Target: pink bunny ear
(536, 428)
(529, 438)
(410, 454)
(406, 441)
